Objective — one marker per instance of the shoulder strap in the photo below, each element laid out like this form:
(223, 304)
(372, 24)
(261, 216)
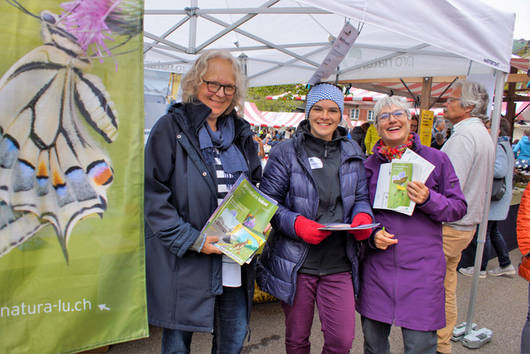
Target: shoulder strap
(502, 146)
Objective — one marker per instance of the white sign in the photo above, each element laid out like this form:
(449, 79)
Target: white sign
(338, 51)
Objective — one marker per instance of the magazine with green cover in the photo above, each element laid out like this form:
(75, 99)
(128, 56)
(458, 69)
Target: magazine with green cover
(401, 174)
(391, 191)
(239, 221)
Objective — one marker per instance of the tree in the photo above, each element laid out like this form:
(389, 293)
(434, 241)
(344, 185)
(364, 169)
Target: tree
(286, 103)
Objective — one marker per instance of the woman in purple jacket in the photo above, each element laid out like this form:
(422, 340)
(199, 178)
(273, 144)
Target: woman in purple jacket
(402, 274)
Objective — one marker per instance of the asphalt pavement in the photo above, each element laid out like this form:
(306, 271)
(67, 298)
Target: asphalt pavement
(501, 306)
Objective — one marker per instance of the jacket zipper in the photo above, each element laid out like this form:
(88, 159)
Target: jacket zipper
(394, 285)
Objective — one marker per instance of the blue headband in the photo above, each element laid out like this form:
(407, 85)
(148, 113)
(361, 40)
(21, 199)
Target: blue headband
(324, 92)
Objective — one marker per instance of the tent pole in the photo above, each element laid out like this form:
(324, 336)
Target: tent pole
(500, 77)
(193, 27)
(510, 103)
(426, 88)
(425, 98)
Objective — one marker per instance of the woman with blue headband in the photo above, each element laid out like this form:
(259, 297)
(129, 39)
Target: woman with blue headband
(318, 178)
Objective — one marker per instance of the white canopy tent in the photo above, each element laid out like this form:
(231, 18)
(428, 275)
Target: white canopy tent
(285, 41)
(282, 41)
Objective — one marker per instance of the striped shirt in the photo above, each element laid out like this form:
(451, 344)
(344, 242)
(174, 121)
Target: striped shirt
(225, 180)
(231, 270)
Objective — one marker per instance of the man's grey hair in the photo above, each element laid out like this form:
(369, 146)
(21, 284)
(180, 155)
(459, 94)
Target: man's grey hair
(388, 101)
(474, 94)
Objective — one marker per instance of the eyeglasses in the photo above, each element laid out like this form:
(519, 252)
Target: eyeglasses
(214, 86)
(396, 114)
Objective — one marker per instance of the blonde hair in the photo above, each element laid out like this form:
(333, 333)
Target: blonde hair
(193, 78)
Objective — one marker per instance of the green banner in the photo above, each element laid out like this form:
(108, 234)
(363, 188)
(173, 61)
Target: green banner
(71, 175)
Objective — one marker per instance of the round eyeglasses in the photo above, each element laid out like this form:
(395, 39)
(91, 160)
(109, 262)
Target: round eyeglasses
(214, 86)
(396, 114)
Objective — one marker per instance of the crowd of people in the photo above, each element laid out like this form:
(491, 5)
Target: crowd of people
(365, 135)
(398, 270)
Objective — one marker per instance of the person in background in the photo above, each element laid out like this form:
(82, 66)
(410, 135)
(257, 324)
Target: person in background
(259, 146)
(414, 122)
(402, 279)
(370, 139)
(268, 136)
(358, 134)
(439, 126)
(287, 134)
(522, 148)
(504, 162)
(472, 154)
(318, 178)
(523, 240)
(193, 156)
(438, 141)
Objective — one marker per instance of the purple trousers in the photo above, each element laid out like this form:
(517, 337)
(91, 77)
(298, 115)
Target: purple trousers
(333, 295)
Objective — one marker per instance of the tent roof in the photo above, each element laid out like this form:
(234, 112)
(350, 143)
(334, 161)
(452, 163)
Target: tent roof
(401, 86)
(285, 41)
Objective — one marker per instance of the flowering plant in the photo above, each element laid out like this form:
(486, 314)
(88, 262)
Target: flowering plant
(95, 21)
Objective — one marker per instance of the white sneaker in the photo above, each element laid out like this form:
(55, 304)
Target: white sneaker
(509, 270)
(470, 270)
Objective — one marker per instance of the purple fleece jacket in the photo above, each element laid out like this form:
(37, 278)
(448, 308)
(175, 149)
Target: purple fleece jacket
(404, 284)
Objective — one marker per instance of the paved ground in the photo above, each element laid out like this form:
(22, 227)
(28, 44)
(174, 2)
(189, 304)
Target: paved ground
(501, 306)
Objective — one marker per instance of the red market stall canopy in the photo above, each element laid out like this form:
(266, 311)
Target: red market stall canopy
(283, 119)
(271, 119)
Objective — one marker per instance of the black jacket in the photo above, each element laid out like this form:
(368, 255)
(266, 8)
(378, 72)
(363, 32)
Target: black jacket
(180, 196)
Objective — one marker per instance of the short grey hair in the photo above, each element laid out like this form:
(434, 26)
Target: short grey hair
(192, 80)
(474, 94)
(439, 121)
(388, 101)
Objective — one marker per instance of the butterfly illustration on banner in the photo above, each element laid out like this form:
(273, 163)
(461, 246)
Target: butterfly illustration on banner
(52, 171)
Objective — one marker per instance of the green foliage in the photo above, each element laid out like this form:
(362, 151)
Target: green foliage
(521, 47)
(258, 95)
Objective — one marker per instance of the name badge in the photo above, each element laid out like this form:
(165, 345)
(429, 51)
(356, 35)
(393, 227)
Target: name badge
(315, 163)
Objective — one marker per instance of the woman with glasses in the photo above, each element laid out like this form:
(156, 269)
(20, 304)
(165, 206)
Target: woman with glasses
(193, 156)
(402, 278)
(317, 178)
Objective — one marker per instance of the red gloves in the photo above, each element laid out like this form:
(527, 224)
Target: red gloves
(361, 219)
(308, 230)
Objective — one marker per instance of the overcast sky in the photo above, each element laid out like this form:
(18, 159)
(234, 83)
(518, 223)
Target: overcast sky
(522, 15)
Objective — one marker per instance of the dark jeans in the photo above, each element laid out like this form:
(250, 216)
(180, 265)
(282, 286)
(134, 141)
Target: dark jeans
(493, 239)
(230, 326)
(415, 342)
(525, 336)
(333, 295)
